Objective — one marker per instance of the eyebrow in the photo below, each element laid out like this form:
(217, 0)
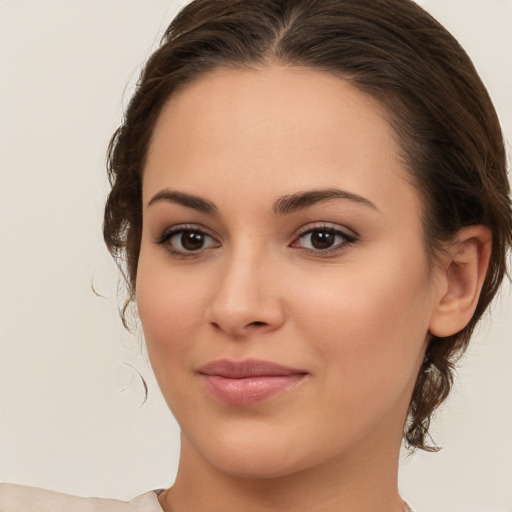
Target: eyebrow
(300, 200)
(284, 205)
(183, 199)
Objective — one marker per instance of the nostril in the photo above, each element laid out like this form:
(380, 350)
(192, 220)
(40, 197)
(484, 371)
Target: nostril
(256, 324)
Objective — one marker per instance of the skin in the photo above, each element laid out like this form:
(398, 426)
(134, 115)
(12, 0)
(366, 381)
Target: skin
(357, 317)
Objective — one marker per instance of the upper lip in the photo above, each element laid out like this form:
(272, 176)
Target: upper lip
(247, 368)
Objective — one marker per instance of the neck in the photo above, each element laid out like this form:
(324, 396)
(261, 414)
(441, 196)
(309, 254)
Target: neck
(364, 480)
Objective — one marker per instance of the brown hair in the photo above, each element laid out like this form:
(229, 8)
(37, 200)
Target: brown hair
(391, 49)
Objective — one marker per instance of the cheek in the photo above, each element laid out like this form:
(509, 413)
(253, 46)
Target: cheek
(160, 308)
(170, 308)
(369, 322)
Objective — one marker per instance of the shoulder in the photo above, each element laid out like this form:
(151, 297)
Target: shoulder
(19, 498)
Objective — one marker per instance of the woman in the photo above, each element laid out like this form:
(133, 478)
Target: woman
(312, 201)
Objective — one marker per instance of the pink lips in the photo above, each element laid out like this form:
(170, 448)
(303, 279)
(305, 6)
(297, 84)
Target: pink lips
(248, 382)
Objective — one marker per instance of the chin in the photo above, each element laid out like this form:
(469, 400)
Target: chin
(256, 467)
(260, 454)
(250, 455)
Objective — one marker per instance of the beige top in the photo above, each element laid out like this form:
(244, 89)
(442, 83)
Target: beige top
(19, 498)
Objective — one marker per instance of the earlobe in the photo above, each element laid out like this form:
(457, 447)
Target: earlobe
(464, 271)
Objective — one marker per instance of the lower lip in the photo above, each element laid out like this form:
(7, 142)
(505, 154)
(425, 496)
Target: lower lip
(250, 390)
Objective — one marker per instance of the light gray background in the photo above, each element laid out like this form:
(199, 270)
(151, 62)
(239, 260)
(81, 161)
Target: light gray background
(69, 399)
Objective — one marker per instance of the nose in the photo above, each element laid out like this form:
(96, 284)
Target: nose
(247, 299)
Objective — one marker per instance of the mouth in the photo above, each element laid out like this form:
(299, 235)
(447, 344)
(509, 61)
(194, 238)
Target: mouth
(248, 382)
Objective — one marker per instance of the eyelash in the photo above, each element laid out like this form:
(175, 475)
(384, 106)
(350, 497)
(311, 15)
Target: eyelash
(345, 239)
(165, 238)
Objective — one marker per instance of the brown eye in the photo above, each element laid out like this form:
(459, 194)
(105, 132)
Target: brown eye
(186, 242)
(323, 240)
(192, 240)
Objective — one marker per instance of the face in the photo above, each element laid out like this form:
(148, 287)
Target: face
(283, 285)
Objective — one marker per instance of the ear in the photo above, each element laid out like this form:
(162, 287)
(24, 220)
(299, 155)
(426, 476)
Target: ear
(461, 276)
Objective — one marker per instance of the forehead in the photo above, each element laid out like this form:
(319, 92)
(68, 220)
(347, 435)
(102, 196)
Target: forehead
(275, 129)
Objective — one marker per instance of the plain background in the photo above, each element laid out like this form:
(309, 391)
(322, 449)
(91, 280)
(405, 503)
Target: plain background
(70, 414)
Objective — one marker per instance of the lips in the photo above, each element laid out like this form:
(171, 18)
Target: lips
(248, 382)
